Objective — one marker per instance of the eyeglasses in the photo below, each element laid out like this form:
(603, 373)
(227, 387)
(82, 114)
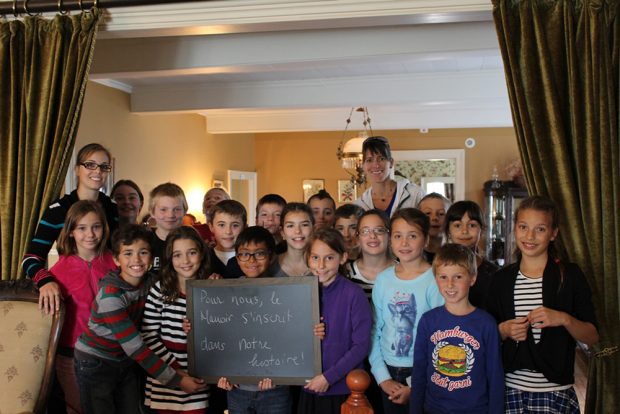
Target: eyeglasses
(377, 231)
(257, 255)
(90, 165)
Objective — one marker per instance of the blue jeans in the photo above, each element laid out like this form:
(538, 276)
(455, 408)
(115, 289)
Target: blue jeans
(107, 387)
(398, 374)
(274, 401)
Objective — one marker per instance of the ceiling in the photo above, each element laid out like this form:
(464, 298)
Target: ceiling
(272, 65)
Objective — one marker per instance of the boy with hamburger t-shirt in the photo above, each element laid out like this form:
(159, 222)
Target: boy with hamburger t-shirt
(457, 366)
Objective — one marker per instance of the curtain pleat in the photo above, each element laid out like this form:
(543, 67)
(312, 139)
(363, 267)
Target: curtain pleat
(561, 63)
(44, 65)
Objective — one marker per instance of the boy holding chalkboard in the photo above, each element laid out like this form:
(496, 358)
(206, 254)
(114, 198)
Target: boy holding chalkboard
(105, 354)
(255, 249)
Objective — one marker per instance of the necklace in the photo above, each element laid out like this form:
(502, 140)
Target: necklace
(386, 195)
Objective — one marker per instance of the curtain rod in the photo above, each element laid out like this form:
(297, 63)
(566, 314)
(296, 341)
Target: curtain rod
(32, 7)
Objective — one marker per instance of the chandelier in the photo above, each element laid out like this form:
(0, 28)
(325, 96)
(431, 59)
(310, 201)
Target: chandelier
(350, 152)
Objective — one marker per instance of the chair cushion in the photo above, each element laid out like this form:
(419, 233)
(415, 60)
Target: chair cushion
(24, 338)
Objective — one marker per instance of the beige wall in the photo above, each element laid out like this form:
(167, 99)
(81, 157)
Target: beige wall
(283, 160)
(152, 149)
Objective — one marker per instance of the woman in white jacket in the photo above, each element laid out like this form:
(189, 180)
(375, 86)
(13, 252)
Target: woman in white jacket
(385, 193)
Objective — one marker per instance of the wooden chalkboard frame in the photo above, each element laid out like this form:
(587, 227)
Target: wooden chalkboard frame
(253, 283)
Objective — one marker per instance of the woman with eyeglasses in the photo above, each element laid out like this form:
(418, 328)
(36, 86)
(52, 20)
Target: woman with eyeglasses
(93, 164)
(385, 193)
(373, 236)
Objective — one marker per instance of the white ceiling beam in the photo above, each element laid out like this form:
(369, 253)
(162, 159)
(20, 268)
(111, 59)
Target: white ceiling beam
(234, 16)
(192, 55)
(439, 99)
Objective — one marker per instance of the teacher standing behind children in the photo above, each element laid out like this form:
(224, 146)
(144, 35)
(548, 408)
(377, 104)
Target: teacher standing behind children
(385, 193)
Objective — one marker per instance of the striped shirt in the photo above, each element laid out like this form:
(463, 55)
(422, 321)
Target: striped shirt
(527, 297)
(162, 331)
(113, 334)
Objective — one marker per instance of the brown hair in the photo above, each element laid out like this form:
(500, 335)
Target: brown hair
(230, 207)
(322, 195)
(66, 242)
(334, 240)
(91, 148)
(128, 183)
(168, 276)
(457, 255)
(547, 206)
(413, 217)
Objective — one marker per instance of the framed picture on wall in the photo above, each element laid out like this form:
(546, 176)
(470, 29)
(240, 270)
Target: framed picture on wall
(218, 184)
(311, 186)
(347, 191)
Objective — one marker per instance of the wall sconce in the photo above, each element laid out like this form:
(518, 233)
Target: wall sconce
(350, 152)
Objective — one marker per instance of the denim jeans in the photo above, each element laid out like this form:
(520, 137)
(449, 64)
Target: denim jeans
(106, 387)
(398, 374)
(273, 401)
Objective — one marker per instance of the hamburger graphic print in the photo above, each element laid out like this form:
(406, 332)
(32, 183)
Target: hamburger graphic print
(451, 360)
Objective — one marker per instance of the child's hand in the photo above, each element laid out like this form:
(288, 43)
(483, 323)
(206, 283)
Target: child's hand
(191, 385)
(49, 297)
(317, 384)
(396, 392)
(401, 396)
(265, 384)
(215, 276)
(515, 329)
(542, 317)
(187, 325)
(224, 384)
(319, 330)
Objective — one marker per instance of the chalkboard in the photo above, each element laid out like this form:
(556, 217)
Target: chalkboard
(250, 329)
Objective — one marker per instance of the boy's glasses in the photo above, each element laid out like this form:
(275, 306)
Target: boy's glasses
(377, 231)
(90, 165)
(258, 255)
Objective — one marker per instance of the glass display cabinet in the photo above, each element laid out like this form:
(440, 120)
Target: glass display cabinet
(501, 200)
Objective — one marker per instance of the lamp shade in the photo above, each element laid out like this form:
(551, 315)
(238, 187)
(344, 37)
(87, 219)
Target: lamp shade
(354, 145)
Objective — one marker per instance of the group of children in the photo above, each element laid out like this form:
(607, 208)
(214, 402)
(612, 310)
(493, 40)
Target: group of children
(425, 332)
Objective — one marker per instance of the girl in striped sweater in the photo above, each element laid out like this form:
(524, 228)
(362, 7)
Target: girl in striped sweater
(185, 259)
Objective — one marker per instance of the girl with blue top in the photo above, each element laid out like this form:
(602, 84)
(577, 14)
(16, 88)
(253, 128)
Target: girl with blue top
(402, 293)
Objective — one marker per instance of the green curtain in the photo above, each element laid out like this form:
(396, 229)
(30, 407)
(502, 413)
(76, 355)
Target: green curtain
(44, 68)
(561, 60)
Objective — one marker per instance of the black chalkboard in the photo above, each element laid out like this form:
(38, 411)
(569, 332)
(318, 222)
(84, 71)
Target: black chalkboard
(250, 329)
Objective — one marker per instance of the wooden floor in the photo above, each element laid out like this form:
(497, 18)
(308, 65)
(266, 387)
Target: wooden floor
(581, 378)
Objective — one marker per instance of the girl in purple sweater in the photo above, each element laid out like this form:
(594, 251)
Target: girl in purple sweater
(348, 320)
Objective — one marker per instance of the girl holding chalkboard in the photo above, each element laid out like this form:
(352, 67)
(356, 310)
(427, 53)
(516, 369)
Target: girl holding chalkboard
(162, 330)
(348, 320)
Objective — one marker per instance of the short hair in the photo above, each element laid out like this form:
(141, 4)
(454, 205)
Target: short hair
(270, 199)
(375, 212)
(296, 207)
(129, 234)
(128, 183)
(322, 195)
(231, 207)
(256, 234)
(458, 210)
(348, 210)
(377, 145)
(89, 149)
(435, 196)
(211, 190)
(413, 217)
(457, 255)
(66, 243)
(167, 190)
